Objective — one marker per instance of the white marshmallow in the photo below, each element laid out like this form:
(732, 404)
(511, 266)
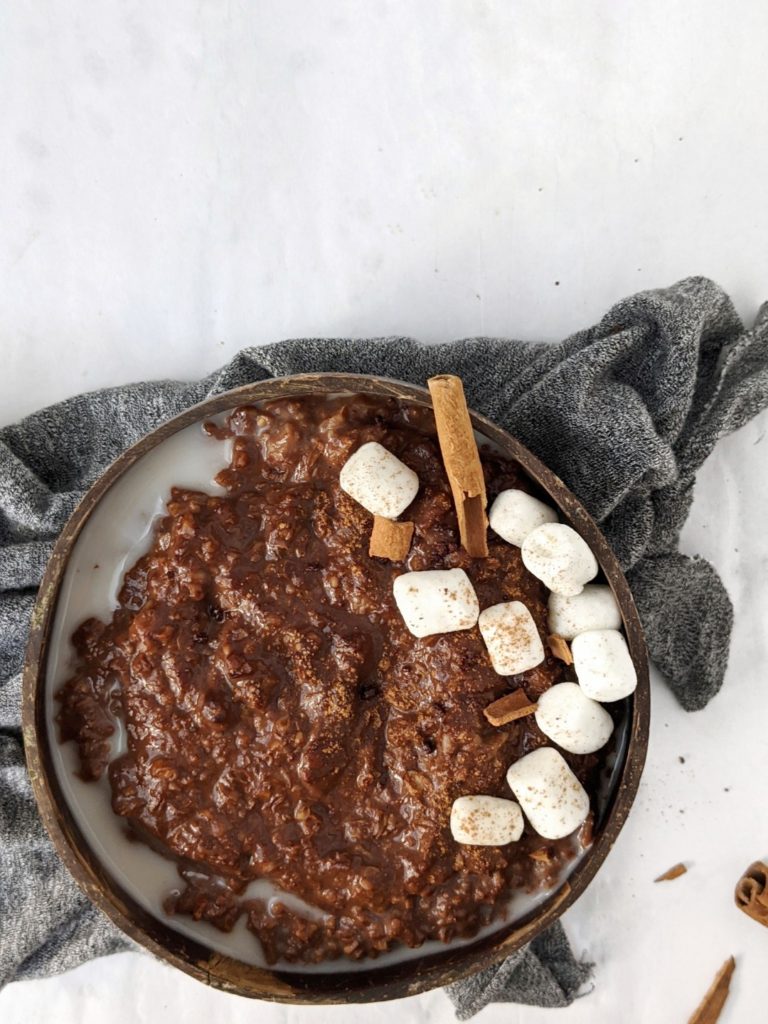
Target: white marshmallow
(559, 557)
(436, 601)
(486, 821)
(571, 720)
(594, 608)
(511, 636)
(603, 665)
(552, 797)
(379, 481)
(514, 514)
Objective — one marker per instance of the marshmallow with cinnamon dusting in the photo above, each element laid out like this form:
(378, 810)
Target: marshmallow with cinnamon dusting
(514, 514)
(554, 800)
(511, 636)
(572, 720)
(379, 481)
(603, 665)
(486, 821)
(436, 601)
(594, 608)
(559, 557)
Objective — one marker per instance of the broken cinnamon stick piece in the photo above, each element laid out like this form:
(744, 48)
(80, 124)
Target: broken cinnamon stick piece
(541, 855)
(559, 647)
(752, 892)
(509, 708)
(672, 873)
(712, 1004)
(462, 461)
(390, 539)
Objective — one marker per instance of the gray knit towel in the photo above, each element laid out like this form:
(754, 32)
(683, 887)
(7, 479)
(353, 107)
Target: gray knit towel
(624, 412)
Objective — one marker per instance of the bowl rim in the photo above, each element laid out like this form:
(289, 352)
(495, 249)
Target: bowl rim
(409, 977)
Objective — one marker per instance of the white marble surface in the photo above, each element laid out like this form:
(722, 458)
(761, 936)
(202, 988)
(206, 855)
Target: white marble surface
(182, 179)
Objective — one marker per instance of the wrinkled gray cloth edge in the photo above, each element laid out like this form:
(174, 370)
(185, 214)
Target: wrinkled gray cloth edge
(624, 412)
(544, 973)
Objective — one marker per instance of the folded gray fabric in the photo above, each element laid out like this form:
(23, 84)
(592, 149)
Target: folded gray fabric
(625, 413)
(543, 973)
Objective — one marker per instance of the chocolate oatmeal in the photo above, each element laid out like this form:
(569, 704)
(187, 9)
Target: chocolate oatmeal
(281, 721)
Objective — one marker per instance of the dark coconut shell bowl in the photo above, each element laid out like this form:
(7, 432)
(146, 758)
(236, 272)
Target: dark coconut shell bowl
(408, 977)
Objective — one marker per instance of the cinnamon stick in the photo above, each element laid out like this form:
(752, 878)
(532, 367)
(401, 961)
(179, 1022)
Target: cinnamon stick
(752, 892)
(509, 708)
(672, 873)
(559, 647)
(462, 461)
(390, 539)
(711, 1006)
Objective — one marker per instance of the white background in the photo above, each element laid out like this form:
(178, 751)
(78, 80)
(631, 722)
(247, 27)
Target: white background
(178, 180)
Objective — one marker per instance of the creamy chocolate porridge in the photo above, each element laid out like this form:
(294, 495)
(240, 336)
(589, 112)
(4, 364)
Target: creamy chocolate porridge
(282, 722)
